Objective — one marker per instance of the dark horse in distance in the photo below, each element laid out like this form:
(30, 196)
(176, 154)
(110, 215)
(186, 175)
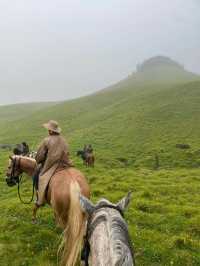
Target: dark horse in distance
(88, 158)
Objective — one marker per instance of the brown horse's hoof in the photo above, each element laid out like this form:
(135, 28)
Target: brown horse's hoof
(34, 221)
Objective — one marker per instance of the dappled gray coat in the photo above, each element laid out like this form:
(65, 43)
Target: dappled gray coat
(53, 150)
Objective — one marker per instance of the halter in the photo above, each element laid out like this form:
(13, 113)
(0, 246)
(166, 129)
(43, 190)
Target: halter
(16, 164)
(18, 180)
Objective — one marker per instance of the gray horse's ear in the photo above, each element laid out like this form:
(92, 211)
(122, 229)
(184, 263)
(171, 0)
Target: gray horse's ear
(86, 205)
(123, 203)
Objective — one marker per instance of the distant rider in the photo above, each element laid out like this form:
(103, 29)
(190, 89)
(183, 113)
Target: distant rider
(90, 149)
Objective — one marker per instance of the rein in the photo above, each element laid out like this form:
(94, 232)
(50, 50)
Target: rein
(19, 194)
(19, 182)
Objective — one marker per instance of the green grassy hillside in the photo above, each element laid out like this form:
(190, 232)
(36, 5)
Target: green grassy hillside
(19, 111)
(134, 127)
(146, 114)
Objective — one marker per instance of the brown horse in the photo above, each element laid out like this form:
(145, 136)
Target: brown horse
(89, 162)
(88, 158)
(63, 196)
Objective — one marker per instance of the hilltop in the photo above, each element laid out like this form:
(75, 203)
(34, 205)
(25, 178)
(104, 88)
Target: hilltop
(158, 62)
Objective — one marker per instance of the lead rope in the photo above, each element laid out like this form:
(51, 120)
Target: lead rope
(19, 195)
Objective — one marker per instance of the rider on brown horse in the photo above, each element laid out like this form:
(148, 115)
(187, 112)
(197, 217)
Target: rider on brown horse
(64, 184)
(87, 155)
(88, 149)
(52, 155)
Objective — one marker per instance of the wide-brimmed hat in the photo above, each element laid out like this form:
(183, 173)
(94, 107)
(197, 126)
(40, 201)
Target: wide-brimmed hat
(53, 126)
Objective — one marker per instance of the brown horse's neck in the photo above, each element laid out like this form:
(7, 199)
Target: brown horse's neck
(28, 165)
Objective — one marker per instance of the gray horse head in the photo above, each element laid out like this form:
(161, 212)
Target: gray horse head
(108, 231)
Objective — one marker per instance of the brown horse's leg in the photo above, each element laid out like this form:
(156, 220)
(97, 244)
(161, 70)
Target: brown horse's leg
(35, 208)
(91, 162)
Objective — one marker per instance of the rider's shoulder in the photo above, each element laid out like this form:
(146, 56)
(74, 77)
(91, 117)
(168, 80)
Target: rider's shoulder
(46, 140)
(53, 138)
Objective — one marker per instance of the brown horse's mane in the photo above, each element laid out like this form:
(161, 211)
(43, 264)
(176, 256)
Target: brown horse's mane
(24, 157)
(26, 163)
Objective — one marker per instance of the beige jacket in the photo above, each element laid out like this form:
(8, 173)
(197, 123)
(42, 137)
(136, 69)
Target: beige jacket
(53, 150)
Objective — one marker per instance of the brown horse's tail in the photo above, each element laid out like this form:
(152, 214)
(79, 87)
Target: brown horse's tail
(74, 232)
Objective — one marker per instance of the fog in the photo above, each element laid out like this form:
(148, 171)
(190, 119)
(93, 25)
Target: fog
(55, 50)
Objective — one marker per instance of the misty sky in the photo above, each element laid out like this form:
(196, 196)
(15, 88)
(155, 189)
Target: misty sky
(61, 49)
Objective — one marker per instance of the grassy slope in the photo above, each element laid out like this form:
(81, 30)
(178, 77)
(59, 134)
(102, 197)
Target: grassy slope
(132, 120)
(135, 119)
(19, 111)
(163, 217)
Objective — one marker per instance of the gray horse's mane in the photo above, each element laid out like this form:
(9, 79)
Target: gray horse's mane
(121, 240)
(119, 235)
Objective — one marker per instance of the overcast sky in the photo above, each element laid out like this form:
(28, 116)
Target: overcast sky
(61, 49)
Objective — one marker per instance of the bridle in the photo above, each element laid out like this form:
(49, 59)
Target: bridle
(16, 165)
(13, 179)
(17, 179)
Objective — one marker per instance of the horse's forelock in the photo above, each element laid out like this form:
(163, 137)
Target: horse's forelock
(15, 157)
(103, 202)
